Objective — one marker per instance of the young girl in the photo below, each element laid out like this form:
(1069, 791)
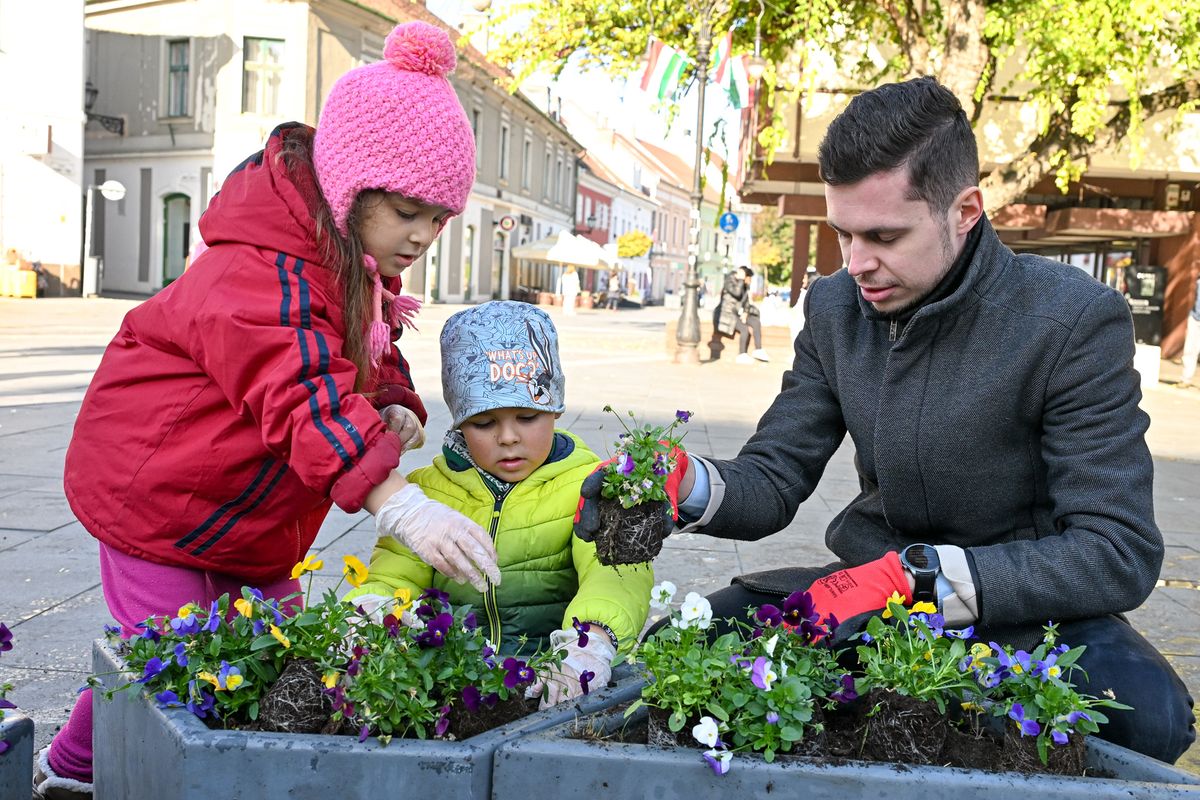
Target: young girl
(236, 405)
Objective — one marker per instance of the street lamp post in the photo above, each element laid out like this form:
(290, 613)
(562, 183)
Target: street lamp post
(687, 331)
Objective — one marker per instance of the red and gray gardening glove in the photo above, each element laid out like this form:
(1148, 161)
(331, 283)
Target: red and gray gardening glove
(860, 590)
(587, 514)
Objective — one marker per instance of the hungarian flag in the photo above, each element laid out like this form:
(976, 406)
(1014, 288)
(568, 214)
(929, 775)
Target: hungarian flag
(737, 82)
(664, 70)
(721, 53)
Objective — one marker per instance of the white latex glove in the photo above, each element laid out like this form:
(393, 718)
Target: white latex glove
(440, 536)
(404, 423)
(595, 657)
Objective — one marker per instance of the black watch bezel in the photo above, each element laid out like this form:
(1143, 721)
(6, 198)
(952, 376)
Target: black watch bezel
(925, 570)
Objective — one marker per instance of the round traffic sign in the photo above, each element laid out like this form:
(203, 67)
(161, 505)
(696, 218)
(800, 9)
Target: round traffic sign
(507, 223)
(728, 222)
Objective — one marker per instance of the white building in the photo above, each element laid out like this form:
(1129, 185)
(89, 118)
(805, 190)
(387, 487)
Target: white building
(41, 139)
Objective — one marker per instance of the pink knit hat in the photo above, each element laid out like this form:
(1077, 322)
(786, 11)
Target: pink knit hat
(397, 125)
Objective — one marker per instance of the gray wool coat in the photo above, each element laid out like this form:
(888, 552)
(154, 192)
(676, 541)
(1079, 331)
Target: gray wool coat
(1002, 418)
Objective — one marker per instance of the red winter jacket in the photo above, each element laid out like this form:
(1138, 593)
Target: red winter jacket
(223, 417)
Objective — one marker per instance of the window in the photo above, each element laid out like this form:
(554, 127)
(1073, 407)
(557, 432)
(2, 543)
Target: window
(558, 180)
(177, 77)
(503, 152)
(476, 114)
(546, 176)
(262, 75)
(526, 163)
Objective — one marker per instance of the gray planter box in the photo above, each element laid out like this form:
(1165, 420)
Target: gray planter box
(587, 769)
(16, 764)
(144, 752)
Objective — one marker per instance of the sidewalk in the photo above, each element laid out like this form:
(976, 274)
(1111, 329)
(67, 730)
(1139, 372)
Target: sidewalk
(49, 586)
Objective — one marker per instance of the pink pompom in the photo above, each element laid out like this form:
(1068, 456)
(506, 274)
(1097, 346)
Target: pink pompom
(420, 47)
(378, 340)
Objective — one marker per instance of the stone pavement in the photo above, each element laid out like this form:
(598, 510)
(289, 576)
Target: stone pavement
(49, 585)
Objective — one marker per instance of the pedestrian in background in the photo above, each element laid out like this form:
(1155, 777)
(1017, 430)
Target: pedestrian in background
(233, 408)
(568, 290)
(735, 315)
(1191, 343)
(614, 290)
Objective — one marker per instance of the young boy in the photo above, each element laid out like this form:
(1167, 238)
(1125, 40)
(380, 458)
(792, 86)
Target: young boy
(505, 466)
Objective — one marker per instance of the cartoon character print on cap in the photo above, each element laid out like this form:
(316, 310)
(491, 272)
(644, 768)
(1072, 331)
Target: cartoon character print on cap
(502, 354)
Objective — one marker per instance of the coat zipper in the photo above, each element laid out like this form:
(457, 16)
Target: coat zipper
(489, 596)
(892, 331)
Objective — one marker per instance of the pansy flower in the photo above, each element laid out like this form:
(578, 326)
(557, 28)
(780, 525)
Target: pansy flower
(518, 673)
(706, 732)
(586, 677)
(1046, 669)
(1059, 737)
(185, 623)
(244, 607)
(896, 599)
(148, 633)
(199, 702)
(625, 464)
(470, 622)
(435, 632)
(5, 638)
(762, 674)
(769, 615)
(403, 598)
(718, 760)
(363, 733)
(168, 699)
(310, 564)
(662, 594)
(392, 624)
(443, 722)
(696, 612)
(582, 629)
(214, 618)
(181, 654)
(280, 637)
(471, 698)
(847, 693)
(683, 416)
(151, 668)
(354, 571)
(1028, 727)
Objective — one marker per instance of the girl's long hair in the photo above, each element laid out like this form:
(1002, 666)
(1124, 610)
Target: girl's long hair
(344, 255)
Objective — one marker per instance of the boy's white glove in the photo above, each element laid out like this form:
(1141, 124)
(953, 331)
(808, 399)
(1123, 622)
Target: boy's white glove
(595, 657)
(404, 423)
(440, 536)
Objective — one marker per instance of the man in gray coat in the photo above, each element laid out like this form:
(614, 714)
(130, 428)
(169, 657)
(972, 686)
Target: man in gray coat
(993, 406)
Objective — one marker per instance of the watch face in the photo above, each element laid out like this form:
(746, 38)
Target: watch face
(921, 557)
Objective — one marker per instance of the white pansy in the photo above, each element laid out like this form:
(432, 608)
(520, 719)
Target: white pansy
(706, 732)
(696, 611)
(769, 645)
(662, 594)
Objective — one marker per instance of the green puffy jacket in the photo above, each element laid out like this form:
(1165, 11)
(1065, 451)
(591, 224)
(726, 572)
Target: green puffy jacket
(549, 575)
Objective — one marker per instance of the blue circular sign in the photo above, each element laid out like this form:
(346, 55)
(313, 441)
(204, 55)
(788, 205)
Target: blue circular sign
(728, 222)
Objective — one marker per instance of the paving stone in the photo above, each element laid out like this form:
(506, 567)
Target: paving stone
(32, 510)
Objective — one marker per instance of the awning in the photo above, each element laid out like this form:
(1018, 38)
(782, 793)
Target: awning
(565, 248)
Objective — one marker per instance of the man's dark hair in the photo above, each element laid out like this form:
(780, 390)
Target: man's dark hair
(749, 272)
(919, 124)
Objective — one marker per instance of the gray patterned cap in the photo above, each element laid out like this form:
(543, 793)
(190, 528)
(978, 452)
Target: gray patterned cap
(501, 354)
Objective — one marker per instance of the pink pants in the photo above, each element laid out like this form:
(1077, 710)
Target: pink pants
(135, 589)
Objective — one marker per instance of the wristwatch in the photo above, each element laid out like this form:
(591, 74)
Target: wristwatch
(922, 561)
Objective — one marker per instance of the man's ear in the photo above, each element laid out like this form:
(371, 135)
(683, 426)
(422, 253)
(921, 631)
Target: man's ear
(966, 210)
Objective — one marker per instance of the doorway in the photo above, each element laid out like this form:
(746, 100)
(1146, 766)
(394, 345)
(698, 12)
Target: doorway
(177, 233)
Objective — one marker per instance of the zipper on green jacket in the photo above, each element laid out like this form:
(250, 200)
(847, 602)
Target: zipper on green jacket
(489, 596)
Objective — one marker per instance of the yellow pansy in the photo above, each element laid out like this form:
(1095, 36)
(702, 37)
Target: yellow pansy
(279, 637)
(404, 599)
(924, 608)
(355, 571)
(897, 599)
(186, 611)
(309, 564)
(244, 607)
(208, 676)
(979, 651)
(329, 679)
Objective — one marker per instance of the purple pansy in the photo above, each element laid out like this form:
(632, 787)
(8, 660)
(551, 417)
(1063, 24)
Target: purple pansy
(435, 631)
(470, 622)
(363, 733)
(443, 723)
(186, 626)
(1059, 737)
(769, 615)
(486, 655)
(152, 668)
(5, 638)
(1029, 727)
(435, 594)
(4, 745)
(168, 699)
(6, 703)
(199, 702)
(582, 629)
(214, 618)
(847, 692)
(586, 677)
(772, 718)
(718, 760)
(392, 623)
(683, 416)
(149, 633)
(1074, 717)
(519, 673)
(181, 654)
(471, 698)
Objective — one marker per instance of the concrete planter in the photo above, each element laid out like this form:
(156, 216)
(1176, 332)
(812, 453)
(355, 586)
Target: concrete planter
(16, 763)
(143, 752)
(578, 768)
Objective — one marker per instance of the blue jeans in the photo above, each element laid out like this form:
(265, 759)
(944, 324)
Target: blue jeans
(1161, 724)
